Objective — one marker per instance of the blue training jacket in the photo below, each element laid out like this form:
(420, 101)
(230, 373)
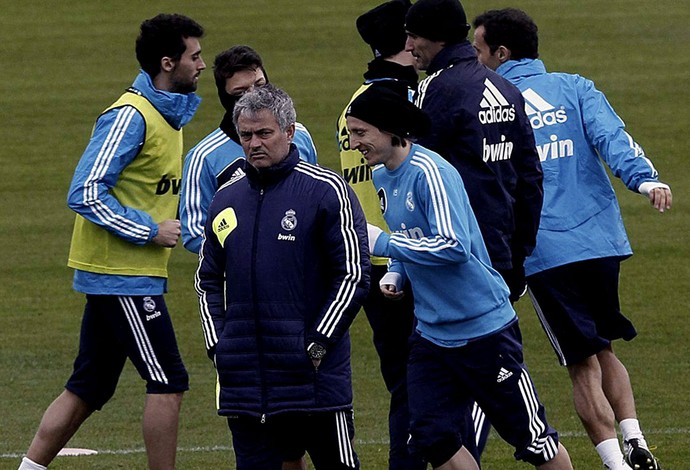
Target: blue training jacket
(479, 126)
(578, 134)
(210, 164)
(435, 241)
(114, 144)
(284, 263)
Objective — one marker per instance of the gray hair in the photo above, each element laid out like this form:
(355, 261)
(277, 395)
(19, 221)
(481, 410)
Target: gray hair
(267, 97)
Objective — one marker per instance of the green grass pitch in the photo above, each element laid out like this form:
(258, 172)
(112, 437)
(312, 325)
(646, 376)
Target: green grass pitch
(64, 61)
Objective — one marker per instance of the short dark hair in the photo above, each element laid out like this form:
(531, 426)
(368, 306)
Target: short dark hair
(163, 36)
(233, 60)
(512, 28)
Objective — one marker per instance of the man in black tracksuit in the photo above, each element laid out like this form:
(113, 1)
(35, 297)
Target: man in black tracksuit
(479, 124)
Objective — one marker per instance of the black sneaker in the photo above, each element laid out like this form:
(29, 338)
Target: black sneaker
(639, 458)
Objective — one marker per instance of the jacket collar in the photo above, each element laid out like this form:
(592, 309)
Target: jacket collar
(269, 176)
(380, 69)
(177, 108)
(451, 55)
(515, 69)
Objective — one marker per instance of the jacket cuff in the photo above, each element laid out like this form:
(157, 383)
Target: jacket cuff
(646, 187)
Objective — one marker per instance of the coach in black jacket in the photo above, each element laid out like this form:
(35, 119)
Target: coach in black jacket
(283, 270)
(479, 124)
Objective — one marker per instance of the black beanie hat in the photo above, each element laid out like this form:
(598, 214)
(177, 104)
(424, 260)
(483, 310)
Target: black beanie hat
(383, 27)
(438, 20)
(390, 111)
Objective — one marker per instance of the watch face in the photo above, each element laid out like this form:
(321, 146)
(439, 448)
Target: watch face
(316, 351)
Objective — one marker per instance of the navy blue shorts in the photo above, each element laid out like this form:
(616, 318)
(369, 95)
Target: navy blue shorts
(578, 307)
(326, 436)
(115, 328)
(443, 384)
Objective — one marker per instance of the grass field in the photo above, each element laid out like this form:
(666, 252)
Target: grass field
(64, 61)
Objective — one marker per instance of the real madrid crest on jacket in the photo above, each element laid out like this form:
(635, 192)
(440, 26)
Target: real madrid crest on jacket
(301, 279)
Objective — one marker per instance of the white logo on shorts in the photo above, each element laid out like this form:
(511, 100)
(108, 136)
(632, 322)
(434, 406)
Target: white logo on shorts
(152, 316)
(149, 304)
(503, 374)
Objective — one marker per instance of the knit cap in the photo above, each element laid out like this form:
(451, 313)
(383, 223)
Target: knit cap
(383, 27)
(390, 111)
(438, 20)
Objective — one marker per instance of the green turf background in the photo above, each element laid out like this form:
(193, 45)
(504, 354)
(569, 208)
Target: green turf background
(64, 61)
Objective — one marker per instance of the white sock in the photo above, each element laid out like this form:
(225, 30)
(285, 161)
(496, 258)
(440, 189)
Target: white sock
(28, 464)
(630, 428)
(610, 453)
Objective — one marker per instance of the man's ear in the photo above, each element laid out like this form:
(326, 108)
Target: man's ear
(503, 54)
(167, 64)
(291, 132)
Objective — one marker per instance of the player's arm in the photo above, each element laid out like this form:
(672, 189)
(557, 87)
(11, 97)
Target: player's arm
(209, 283)
(199, 184)
(117, 139)
(627, 160)
(344, 240)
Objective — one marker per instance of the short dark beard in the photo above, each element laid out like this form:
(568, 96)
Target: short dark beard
(183, 88)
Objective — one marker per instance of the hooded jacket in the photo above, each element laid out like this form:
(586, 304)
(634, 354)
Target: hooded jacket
(578, 134)
(284, 263)
(119, 136)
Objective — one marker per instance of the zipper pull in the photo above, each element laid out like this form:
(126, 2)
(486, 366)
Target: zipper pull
(263, 419)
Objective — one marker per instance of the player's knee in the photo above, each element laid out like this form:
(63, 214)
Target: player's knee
(435, 449)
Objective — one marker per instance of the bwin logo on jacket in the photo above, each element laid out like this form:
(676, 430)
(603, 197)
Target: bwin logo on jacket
(495, 107)
(540, 112)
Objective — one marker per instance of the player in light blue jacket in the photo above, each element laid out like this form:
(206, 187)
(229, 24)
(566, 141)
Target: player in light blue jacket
(467, 344)
(125, 191)
(573, 271)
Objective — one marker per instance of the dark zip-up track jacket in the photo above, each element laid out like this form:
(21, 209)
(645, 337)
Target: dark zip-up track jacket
(284, 263)
(479, 125)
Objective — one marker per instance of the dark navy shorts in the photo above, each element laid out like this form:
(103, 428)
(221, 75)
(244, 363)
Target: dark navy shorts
(326, 436)
(578, 307)
(443, 384)
(115, 328)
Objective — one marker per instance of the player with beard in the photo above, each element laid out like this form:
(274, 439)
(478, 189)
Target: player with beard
(124, 192)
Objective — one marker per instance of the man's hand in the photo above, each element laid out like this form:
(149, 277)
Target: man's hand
(390, 292)
(661, 198)
(373, 233)
(391, 286)
(168, 233)
(659, 194)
